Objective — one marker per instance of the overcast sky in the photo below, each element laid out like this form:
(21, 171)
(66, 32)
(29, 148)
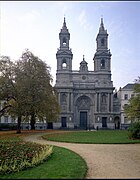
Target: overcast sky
(35, 25)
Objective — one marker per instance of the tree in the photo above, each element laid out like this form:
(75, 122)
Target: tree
(32, 89)
(132, 110)
(9, 90)
(38, 91)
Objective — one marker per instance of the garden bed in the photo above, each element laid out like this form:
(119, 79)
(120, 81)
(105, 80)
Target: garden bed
(16, 155)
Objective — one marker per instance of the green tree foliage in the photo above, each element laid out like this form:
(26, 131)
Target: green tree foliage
(38, 91)
(9, 90)
(34, 96)
(6, 77)
(134, 130)
(132, 110)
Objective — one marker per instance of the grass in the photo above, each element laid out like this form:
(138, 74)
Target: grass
(64, 163)
(61, 164)
(93, 137)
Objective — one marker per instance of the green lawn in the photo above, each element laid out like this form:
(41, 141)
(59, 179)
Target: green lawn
(63, 164)
(93, 137)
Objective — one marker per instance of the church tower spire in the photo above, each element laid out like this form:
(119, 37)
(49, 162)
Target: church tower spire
(102, 38)
(101, 26)
(102, 55)
(64, 55)
(64, 27)
(64, 36)
(64, 23)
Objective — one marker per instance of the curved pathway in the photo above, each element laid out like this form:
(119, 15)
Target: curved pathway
(103, 160)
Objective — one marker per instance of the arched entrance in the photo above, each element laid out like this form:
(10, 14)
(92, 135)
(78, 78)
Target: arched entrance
(117, 122)
(83, 104)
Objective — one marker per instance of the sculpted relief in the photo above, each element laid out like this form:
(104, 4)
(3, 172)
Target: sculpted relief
(83, 102)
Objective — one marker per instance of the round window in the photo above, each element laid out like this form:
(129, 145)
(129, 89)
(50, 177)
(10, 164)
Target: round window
(83, 77)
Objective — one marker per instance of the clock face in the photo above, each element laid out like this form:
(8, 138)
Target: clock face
(83, 77)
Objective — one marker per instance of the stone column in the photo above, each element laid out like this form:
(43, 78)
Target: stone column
(72, 105)
(59, 119)
(59, 98)
(69, 102)
(108, 102)
(99, 102)
(96, 102)
(111, 102)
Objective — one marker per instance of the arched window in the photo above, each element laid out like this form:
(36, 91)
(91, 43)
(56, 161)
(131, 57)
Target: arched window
(102, 42)
(64, 64)
(102, 64)
(64, 41)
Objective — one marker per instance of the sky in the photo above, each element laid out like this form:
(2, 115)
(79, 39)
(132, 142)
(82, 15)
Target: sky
(35, 25)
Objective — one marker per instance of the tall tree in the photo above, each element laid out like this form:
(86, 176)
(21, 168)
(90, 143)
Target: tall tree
(38, 91)
(9, 90)
(132, 110)
(32, 88)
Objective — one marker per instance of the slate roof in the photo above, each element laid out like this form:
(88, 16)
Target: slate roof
(129, 86)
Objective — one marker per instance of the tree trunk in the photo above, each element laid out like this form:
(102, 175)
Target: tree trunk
(32, 121)
(19, 125)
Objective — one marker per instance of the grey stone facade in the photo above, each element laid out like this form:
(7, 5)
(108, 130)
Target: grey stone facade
(86, 97)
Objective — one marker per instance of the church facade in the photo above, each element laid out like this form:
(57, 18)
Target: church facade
(86, 98)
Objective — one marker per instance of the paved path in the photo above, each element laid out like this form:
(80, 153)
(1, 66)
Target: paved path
(103, 160)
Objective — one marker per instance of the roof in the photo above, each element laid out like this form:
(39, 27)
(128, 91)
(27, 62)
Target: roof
(129, 86)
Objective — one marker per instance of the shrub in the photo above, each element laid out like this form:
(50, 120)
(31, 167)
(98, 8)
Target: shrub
(16, 155)
(4, 126)
(134, 130)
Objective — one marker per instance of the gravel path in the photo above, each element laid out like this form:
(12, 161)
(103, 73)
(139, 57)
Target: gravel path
(103, 160)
